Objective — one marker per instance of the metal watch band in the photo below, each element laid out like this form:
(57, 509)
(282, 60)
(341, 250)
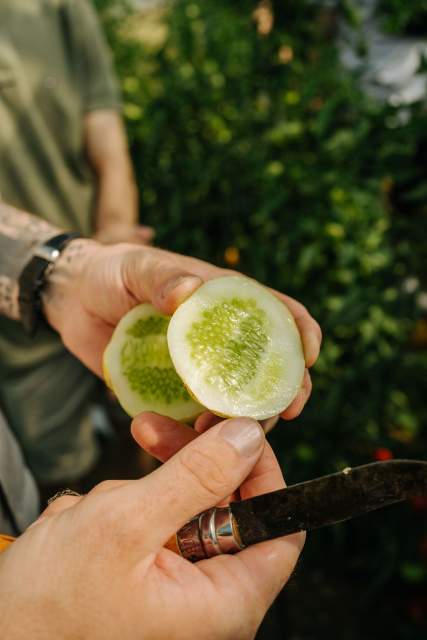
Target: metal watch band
(32, 279)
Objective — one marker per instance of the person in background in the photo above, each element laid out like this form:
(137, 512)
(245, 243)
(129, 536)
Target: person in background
(64, 157)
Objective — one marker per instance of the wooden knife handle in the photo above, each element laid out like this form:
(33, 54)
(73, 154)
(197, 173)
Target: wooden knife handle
(5, 542)
(172, 545)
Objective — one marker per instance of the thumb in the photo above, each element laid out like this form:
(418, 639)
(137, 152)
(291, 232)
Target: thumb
(199, 476)
(152, 275)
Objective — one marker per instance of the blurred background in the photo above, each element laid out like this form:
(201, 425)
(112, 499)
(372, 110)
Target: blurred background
(289, 140)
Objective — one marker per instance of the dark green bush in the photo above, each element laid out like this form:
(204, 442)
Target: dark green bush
(261, 147)
(406, 17)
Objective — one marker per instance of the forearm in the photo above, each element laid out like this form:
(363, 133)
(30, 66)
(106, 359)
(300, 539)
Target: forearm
(20, 234)
(108, 154)
(117, 199)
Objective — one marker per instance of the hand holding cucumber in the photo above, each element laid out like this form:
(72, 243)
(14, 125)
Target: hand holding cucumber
(92, 287)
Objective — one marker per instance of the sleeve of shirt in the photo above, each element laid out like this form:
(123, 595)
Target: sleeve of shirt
(99, 85)
(19, 501)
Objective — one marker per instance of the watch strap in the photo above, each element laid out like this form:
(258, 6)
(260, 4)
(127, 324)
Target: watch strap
(32, 279)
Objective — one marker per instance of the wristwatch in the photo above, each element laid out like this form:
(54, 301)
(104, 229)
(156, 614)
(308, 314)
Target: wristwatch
(33, 276)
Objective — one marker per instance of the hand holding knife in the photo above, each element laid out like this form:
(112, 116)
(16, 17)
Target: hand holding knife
(300, 507)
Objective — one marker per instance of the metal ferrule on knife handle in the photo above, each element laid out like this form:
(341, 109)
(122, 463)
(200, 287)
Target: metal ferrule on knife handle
(212, 533)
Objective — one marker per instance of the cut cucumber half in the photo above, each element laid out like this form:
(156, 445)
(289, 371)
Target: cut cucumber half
(237, 349)
(138, 368)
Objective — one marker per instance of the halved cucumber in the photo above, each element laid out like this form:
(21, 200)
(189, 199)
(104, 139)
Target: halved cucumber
(237, 348)
(138, 368)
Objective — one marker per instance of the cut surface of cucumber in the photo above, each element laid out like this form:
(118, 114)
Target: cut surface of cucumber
(138, 367)
(237, 348)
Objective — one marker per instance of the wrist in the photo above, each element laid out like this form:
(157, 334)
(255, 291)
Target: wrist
(120, 220)
(33, 277)
(111, 225)
(62, 281)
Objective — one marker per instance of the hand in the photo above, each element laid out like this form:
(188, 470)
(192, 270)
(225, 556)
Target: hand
(114, 233)
(94, 567)
(93, 286)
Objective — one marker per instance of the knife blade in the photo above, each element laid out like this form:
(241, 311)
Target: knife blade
(329, 499)
(300, 507)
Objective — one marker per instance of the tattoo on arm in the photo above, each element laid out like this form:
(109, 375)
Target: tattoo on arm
(20, 234)
(75, 250)
(8, 297)
(62, 280)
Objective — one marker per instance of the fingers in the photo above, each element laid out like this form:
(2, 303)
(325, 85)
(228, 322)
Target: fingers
(151, 275)
(266, 476)
(161, 437)
(262, 570)
(297, 405)
(167, 279)
(265, 567)
(270, 563)
(269, 424)
(206, 421)
(199, 476)
(311, 334)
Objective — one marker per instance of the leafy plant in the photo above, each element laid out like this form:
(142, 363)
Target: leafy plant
(255, 148)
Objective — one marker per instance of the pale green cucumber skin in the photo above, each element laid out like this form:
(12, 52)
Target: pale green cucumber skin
(200, 366)
(116, 378)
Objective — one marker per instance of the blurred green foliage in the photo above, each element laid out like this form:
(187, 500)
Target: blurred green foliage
(253, 145)
(404, 17)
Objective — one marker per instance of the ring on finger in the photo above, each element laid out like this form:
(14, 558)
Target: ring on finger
(60, 494)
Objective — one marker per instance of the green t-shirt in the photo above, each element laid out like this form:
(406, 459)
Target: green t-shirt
(54, 68)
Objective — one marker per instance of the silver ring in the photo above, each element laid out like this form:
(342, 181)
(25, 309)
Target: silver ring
(64, 492)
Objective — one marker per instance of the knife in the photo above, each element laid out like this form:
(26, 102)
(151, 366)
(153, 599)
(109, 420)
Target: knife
(305, 506)
(301, 507)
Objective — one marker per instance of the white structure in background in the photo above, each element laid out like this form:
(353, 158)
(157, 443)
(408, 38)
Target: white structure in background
(389, 70)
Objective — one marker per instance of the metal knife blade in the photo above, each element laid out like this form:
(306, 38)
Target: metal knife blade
(328, 499)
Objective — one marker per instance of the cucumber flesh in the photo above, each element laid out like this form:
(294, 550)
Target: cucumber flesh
(237, 348)
(138, 367)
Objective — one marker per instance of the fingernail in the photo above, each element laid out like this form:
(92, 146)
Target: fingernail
(244, 434)
(173, 284)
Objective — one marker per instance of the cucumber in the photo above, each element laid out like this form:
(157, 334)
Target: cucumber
(138, 368)
(237, 349)
(232, 348)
